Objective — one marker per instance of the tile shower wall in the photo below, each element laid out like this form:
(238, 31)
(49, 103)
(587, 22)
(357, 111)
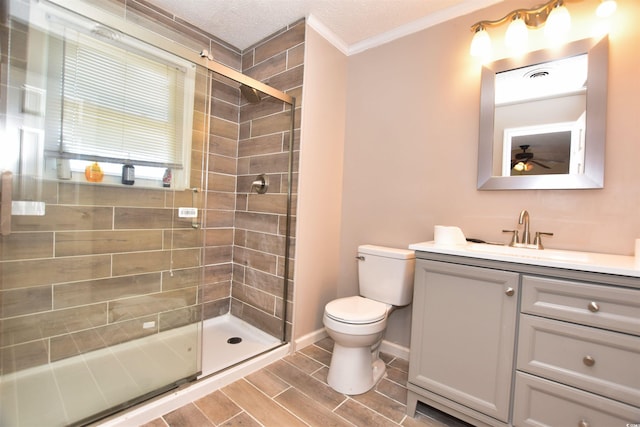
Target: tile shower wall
(90, 272)
(257, 243)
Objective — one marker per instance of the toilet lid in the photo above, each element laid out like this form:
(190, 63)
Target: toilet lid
(356, 309)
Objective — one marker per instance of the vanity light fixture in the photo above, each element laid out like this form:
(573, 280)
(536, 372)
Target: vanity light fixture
(606, 8)
(553, 15)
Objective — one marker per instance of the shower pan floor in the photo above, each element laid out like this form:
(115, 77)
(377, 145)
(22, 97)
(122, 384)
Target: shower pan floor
(68, 390)
(220, 346)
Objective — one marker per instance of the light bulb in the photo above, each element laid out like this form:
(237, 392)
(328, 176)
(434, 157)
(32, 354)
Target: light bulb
(606, 8)
(517, 35)
(480, 44)
(558, 24)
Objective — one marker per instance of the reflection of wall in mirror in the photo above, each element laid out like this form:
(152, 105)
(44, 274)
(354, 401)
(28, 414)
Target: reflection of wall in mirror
(533, 113)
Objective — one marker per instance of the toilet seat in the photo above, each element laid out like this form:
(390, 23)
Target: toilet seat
(356, 310)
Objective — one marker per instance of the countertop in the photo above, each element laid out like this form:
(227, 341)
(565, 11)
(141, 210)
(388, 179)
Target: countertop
(571, 260)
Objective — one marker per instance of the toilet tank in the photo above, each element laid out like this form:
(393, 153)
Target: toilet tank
(386, 274)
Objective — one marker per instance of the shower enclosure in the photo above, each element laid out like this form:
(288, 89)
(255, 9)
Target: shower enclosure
(145, 214)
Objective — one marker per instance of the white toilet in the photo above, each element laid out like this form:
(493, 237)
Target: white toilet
(356, 324)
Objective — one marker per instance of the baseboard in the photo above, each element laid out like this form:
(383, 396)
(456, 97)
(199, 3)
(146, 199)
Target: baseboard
(386, 346)
(309, 339)
(394, 349)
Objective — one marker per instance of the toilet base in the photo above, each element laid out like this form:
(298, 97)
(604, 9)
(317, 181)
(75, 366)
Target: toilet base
(354, 370)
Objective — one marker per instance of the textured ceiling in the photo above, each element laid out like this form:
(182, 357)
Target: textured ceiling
(245, 22)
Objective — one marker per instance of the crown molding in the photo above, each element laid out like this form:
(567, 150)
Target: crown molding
(402, 31)
(327, 34)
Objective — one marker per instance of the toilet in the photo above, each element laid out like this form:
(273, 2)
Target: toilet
(357, 324)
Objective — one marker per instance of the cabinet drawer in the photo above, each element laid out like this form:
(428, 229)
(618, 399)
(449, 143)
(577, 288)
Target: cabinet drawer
(539, 402)
(592, 359)
(602, 306)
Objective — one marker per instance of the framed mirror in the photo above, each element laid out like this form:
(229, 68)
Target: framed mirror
(543, 119)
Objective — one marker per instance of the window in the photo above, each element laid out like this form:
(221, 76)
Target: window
(118, 101)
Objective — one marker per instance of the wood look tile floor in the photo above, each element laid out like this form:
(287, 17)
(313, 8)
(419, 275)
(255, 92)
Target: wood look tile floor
(293, 392)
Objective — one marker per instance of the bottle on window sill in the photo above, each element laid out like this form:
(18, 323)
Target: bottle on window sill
(166, 178)
(93, 172)
(128, 174)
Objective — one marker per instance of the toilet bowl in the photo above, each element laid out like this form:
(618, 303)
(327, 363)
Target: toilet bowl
(355, 366)
(357, 323)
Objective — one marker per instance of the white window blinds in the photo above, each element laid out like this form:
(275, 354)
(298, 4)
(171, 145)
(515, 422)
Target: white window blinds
(121, 104)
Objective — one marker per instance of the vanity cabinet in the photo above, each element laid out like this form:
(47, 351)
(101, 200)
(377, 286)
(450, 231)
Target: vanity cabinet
(497, 343)
(578, 359)
(462, 338)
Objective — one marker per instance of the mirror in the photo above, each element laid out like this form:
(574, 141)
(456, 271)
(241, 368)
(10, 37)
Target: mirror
(542, 119)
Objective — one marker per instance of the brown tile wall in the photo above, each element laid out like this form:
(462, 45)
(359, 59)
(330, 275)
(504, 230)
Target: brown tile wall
(104, 260)
(260, 219)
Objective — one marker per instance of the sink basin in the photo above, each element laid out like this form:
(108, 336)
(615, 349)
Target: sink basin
(542, 254)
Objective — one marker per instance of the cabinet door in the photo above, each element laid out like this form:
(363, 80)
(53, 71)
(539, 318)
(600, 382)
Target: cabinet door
(463, 334)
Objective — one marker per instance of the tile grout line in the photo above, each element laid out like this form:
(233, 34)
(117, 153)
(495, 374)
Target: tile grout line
(202, 412)
(243, 410)
(270, 398)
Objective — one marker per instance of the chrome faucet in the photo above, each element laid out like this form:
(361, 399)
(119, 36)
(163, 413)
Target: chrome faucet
(526, 234)
(524, 219)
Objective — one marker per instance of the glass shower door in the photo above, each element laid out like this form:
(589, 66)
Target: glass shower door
(99, 276)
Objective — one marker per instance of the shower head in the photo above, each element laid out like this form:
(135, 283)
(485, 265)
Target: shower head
(250, 94)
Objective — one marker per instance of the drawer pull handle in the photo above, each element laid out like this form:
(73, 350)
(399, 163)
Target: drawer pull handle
(583, 423)
(588, 360)
(509, 292)
(594, 307)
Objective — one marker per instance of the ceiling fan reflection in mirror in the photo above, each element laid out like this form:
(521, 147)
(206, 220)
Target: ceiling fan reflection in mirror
(524, 161)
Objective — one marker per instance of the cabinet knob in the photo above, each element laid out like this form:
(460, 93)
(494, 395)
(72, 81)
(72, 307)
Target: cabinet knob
(583, 423)
(509, 292)
(588, 360)
(594, 307)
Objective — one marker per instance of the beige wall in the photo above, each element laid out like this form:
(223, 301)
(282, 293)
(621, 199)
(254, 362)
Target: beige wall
(411, 149)
(320, 184)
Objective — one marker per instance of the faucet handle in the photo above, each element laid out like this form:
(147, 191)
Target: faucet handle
(514, 237)
(538, 240)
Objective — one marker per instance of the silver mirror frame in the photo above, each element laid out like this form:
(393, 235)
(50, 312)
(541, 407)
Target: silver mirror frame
(598, 51)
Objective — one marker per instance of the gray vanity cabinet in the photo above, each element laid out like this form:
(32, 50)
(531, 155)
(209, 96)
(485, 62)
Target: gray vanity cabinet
(502, 344)
(462, 340)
